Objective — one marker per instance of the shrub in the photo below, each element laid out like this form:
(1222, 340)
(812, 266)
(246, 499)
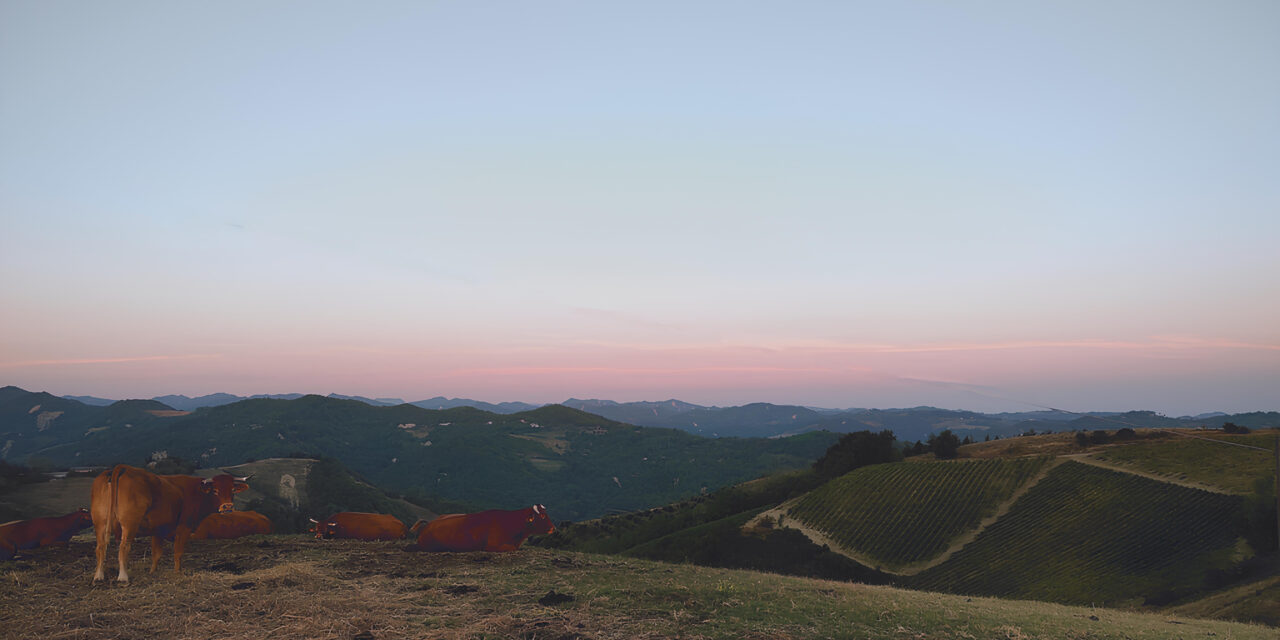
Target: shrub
(1231, 427)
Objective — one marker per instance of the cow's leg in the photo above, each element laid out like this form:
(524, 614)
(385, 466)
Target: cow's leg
(126, 541)
(7, 550)
(103, 534)
(157, 550)
(179, 545)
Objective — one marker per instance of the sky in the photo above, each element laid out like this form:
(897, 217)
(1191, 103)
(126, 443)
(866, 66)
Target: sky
(971, 205)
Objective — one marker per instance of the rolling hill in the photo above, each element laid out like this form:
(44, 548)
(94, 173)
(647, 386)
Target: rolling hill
(1060, 524)
(580, 465)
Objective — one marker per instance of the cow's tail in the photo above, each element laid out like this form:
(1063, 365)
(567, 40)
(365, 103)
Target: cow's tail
(113, 518)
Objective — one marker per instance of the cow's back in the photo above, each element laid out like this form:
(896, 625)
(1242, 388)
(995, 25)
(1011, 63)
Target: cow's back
(224, 526)
(462, 532)
(368, 526)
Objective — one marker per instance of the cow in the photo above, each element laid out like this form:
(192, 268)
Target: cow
(41, 532)
(417, 526)
(225, 526)
(493, 530)
(128, 502)
(359, 526)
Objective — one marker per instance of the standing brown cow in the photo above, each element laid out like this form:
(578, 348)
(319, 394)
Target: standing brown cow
(40, 532)
(225, 526)
(359, 526)
(493, 530)
(129, 502)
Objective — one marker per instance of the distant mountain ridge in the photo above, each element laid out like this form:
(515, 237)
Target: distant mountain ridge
(766, 420)
(441, 402)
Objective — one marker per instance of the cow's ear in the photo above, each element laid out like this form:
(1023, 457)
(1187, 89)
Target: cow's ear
(238, 487)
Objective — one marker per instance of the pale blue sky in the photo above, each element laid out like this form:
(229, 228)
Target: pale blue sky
(525, 200)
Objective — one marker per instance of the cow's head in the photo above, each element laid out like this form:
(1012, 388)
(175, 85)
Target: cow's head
(539, 523)
(83, 519)
(223, 487)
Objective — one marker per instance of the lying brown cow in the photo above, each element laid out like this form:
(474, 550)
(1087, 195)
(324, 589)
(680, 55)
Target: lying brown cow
(359, 526)
(485, 531)
(41, 532)
(225, 526)
(129, 502)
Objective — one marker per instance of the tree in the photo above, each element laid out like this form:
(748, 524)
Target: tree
(1231, 427)
(854, 450)
(945, 445)
(1258, 517)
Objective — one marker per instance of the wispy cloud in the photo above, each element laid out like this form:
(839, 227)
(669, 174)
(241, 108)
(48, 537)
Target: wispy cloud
(92, 361)
(1155, 342)
(625, 370)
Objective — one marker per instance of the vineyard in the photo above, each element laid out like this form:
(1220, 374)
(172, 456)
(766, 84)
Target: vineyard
(899, 514)
(1090, 535)
(1231, 468)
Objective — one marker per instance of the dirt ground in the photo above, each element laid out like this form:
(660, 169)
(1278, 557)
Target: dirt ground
(276, 586)
(295, 587)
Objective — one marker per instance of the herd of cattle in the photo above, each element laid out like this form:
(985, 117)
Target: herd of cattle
(128, 502)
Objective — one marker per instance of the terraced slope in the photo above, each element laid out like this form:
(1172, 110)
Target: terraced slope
(1085, 534)
(899, 514)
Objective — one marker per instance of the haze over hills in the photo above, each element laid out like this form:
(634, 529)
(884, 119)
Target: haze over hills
(766, 420)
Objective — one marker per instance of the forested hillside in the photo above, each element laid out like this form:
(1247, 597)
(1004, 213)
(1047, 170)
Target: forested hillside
(579, 465)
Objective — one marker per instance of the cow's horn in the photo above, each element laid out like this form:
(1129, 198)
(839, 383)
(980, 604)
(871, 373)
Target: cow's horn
(244, 479)
(314, 520)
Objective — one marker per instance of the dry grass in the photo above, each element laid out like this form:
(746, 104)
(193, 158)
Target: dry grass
(1049, 444)
(295, 587)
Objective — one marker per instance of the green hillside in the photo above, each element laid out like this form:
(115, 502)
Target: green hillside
(1232, 469)
(288, 491)
(1042, 527)
(578, 464)
(898, 514)
(1089, 535)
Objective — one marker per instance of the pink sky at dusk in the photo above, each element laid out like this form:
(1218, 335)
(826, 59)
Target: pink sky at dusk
(990, 206)
(1172, 375)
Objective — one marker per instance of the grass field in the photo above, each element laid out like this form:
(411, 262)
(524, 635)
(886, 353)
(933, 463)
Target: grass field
(1257, 601)
(1085, 534)
(1233, 469)
(44, 499)
(899, 514)
(293, 587)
